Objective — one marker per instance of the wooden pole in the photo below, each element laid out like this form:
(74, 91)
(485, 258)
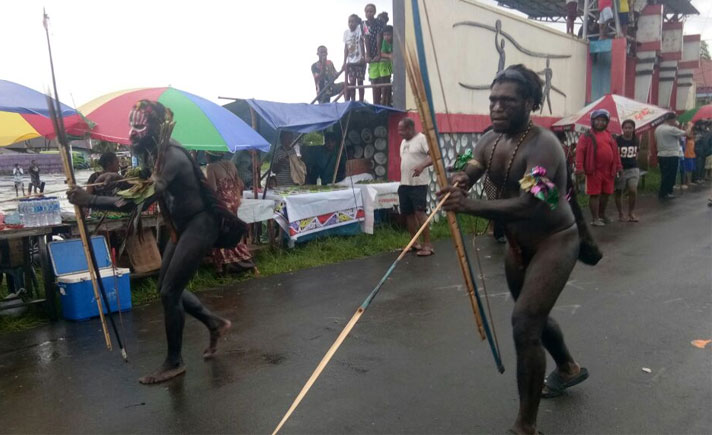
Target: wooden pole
(417, 71)
(377, 85)
(79, 214)
(357, 315)
(430, 134)
(255, 164)
(326, 87)
(341, 149)
(94, 273)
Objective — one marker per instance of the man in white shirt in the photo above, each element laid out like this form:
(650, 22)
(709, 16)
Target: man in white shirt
(415, 177)
(667, 138)
(17, 175)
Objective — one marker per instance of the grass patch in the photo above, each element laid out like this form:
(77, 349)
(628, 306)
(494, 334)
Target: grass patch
(33, 318)
(652, 181)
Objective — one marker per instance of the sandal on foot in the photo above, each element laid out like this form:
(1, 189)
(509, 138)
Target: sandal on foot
(425, 252)
(554, 384)
(633, 219)
(415, 248)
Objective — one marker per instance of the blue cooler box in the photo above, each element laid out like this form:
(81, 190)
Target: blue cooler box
(74, 282)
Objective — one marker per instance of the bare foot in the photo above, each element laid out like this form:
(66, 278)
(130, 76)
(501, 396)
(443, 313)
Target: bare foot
(215, 335)
(633, 218)
(621, 217)
(164, 373)
(518, 429)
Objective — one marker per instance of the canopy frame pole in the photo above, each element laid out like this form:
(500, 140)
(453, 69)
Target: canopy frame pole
(326, 87)
(619, 33)
(586, 11)
(341, 149)
(255, 163)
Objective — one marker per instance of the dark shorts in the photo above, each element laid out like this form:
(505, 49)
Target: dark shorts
(623, 17)
(689, 164)
(571, 11)
(355, 71)
(412, 199)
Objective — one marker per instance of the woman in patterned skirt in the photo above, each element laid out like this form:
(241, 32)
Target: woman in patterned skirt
(223, 178)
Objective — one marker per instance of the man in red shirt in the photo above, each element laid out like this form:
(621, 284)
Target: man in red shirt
(597, 156)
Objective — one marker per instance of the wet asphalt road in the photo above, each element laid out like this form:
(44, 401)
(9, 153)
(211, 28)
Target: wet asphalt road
(413, 364)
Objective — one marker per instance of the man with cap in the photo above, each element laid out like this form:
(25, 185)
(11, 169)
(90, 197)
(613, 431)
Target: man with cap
(597, 156)
(667, 139)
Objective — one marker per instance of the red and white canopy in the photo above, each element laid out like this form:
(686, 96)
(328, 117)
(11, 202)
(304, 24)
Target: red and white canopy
(646, 116)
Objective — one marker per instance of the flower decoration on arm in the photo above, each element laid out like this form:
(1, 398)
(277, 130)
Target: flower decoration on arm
(536, 183)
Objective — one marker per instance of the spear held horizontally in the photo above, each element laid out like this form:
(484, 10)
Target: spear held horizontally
(55, 112)
(357, 315)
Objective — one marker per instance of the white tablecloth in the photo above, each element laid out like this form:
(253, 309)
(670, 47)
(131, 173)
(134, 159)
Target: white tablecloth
(297, 211)
(300, 214)
(377, 196)
(256, 210)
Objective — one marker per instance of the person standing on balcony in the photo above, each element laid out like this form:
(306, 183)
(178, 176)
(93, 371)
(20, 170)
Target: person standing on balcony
(571, 15)
(17, 174)
(373, 38)
(605, 10)
(354, 58)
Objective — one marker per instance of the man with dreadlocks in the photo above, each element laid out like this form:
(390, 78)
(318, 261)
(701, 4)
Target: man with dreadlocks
(526, 165)
(191, 208)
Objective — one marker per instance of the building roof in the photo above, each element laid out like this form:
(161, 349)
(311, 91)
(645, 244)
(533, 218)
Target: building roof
(549, 9)
(703, 75)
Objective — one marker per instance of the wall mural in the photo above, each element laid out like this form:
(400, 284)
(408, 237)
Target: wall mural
(499, 43)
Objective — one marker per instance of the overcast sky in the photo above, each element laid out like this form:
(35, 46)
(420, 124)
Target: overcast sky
(260, 48)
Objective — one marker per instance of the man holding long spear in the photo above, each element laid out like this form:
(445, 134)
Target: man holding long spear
(527, 165)
(195, 215)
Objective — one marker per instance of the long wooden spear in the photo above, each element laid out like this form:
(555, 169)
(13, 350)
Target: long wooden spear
(55, 111)
(420, 85)
(357, 315)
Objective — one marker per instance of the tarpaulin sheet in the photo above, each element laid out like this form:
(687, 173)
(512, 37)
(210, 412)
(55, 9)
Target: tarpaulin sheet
(305, 118)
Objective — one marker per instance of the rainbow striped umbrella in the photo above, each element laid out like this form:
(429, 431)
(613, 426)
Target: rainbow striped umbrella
(200, 124)
(24, 115)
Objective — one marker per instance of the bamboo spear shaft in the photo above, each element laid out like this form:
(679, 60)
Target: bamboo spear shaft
(94, 273)
(357, 315)
(429, 130)
(418, 76)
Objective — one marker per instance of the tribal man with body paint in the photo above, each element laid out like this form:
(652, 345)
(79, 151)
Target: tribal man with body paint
(527, 166)
(190, 205)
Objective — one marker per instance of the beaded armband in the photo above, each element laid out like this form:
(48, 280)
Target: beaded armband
(536, 183)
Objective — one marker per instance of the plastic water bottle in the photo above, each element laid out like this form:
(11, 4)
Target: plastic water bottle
(22, 210)
(56, 211)
(36, 211)
(44, 212)
(29, 213)
(39, 212)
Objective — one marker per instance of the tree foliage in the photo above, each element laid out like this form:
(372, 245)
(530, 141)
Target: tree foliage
(103, 147)
(705, 51)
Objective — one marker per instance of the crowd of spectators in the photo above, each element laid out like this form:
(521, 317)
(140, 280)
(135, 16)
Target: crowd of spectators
(610, 162)
(368, 48)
